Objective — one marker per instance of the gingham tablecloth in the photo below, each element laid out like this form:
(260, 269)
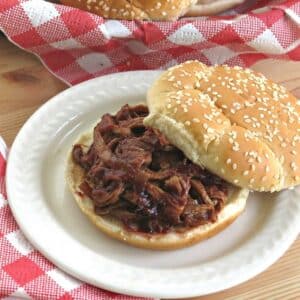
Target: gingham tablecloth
(76, 46)
(25, 273)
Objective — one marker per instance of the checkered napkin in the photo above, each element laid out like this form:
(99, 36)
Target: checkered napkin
(25, 273)
(76, 45)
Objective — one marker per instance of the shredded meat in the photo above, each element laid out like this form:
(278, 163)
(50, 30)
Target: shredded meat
(134, 174)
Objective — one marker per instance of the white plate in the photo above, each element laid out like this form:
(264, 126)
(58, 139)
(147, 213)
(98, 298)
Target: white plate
(47, 214)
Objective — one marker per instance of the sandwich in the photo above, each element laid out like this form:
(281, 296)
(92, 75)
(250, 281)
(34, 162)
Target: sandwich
(178, 170)
(151, 9)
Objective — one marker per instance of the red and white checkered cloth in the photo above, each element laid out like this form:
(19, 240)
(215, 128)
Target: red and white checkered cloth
(25, 273)
(77, 46)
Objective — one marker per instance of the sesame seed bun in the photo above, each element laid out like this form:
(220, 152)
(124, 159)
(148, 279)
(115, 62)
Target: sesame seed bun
(233, 121)
(234, 206)
(152, 9)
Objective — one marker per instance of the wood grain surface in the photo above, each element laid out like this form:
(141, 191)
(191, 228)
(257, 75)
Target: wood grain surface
(25, 85)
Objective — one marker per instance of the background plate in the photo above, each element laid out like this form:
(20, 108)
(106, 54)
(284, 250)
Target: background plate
(48, 216)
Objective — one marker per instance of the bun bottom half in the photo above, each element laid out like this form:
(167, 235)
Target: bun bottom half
(235, 205)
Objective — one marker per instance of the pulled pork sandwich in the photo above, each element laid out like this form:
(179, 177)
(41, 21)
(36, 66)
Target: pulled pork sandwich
(177, 171)
(139, 188)
(152, 9)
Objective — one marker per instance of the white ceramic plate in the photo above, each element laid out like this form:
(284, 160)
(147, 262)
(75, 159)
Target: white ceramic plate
(47, 214)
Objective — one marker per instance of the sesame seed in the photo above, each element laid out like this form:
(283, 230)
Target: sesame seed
(245, 173)
(293, 166)
(234, 166)
(228, 161)
(293, 152)
(283, 145)
(251, 180)
(210, 130)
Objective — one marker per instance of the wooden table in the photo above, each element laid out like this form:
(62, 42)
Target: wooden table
(25, 85)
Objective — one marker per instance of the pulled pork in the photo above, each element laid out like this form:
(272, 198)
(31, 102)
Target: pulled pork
(134, 174)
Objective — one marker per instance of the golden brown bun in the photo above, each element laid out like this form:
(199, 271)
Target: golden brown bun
(233, 121)
(136, 9)
(233, 208)
(152, 9)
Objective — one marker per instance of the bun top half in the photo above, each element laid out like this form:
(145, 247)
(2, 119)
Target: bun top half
(152, 9)
(135, 9)
(233, 121)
